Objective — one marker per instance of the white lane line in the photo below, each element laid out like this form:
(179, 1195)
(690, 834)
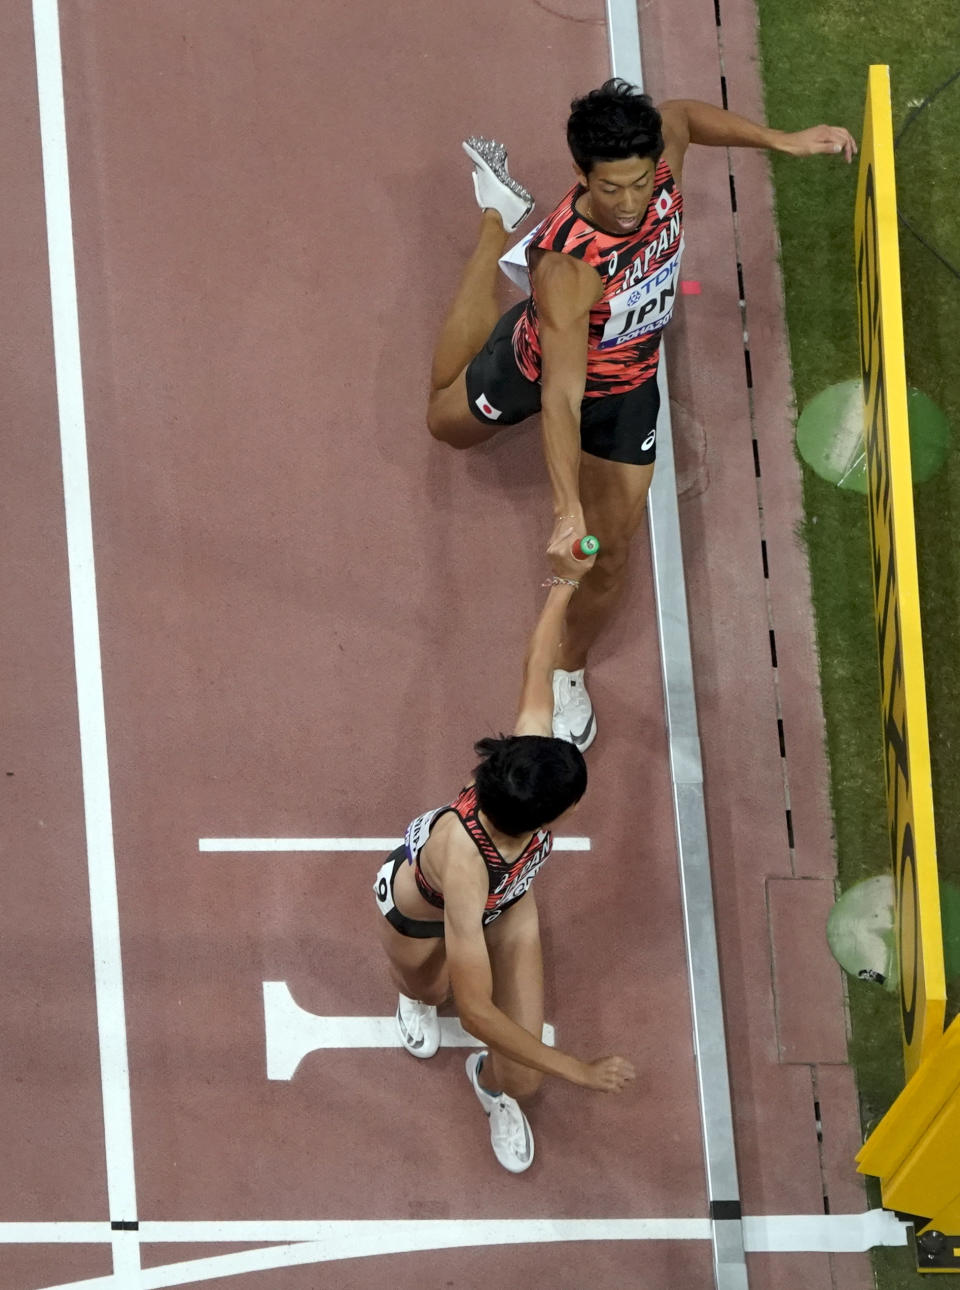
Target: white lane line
(319, 1242)
(771, 1233)
(292, 1032)
(65, 1233)
(776, 1233)
(830, 1233)
(373, 845)
(686, 776)
(104, 913)
(126, 1260)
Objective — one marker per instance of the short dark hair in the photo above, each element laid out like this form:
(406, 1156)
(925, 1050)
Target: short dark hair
(611, 123)
(525, 781)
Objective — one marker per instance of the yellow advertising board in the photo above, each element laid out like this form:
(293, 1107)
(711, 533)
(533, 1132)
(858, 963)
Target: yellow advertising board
(913, 1148)
(896, 599)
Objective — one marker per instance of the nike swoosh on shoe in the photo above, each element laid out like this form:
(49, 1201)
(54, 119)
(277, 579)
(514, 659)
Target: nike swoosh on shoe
(584, 734)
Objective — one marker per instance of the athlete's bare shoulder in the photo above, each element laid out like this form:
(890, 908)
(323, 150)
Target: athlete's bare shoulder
(564, 287)
(450, 853)
(464, 875)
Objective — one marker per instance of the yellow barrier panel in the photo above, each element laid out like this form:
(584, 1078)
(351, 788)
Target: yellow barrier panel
(896, 598)
(927, 1181)
(913, 1149)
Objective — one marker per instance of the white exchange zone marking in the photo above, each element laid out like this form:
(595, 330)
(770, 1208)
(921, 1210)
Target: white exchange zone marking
(292, 1032)
(311, 1242)
(371, 846)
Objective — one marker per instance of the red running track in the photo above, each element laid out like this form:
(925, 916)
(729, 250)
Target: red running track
(309, 611)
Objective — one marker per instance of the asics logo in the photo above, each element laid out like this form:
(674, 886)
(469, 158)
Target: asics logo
(649, 441)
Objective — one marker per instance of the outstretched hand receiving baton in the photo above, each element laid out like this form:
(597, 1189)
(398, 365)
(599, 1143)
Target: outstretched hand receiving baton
(571, 558)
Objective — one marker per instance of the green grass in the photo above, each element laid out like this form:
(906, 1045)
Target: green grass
(815, 59)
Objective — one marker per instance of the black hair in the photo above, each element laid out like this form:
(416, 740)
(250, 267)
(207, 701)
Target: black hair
(525, 781)
(612, 123)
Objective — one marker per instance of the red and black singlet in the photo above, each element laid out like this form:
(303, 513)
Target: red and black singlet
(640, 272)
(508, 879)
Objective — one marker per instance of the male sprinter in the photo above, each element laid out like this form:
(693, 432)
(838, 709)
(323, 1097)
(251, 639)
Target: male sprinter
(583, 348)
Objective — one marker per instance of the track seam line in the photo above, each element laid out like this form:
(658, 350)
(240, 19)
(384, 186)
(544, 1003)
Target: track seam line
(818, 1121)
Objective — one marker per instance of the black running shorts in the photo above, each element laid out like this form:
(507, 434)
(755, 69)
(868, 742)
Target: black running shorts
(617, 427)
(420, 929)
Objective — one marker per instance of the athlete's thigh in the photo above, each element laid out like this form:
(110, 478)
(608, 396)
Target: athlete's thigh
(418, 964)
(450, 420)
(513, 943)
(614, 496)
(491, 392)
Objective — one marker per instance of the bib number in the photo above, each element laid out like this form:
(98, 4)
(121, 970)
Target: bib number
(645, 308)
(418, 832)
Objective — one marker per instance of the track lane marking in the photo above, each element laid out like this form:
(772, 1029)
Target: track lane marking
(292, 1032)
(98, 816)
(320, 1242)
(789, 1233)
(686, 773)
(372, 845)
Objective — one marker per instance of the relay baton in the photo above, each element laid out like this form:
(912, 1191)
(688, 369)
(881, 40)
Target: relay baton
(585, 547)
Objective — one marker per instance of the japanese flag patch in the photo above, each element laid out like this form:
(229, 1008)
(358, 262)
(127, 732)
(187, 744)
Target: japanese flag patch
(487, 408)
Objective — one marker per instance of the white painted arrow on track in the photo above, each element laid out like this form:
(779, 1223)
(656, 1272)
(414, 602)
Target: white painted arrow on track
(292, 1032)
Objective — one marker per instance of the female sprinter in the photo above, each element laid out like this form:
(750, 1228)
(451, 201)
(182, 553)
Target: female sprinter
(458, 909)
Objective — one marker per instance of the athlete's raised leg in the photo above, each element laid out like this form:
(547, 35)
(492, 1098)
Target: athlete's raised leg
(469, 321)
(614, 497)
(475, 310)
